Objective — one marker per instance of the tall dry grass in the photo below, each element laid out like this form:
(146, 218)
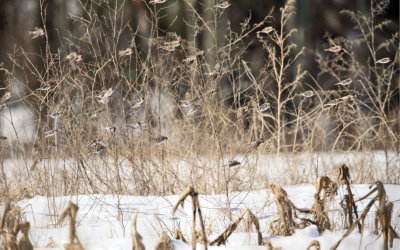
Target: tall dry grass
(211, 105)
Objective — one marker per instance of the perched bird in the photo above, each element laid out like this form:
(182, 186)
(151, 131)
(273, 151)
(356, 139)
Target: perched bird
(98, 146)
(232, 163)
(44, 87)
(255, 144)
(212, 92)
(160, 139)
(56, 114)
(383, 60)
(192, 111)
(3, 106)
(347, 99)
(74, 57)
(157, 1)
(308, 94)
(106, 93)
(104, 100)
(37, 32)
(175, 43)
(189, 60)
(185, 103)
(136, 126)
(111, 129)
(6, 97)
(97, 114)
(266, 30)
(332, 103)
(264, 107)
(197, 101)
(50, 133)
(217, 71)
(223, 5)
(139, 103)
(334, 49)
(172, 83)
(345, 82)
(125, 52)
(240, 112)
(171, 46)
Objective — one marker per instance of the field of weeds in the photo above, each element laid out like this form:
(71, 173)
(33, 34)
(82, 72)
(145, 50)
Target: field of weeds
(108, 125)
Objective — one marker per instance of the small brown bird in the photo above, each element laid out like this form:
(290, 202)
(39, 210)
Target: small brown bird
(241, 112)
(125, 52)
(106, 93)
(74, 57)
(384, 60)
(6, 97)
(332, 103)
(157, 1)
(232, 163)
(37, 32)
(334, 49)
(223, 5)
(97, 114)
(189, 60)
(255, 144)
(345, 82)
(192, 111)
(111, 129)
(266, 30)
(217, 71)
(50, 133)
(44, 87)
(104, 100)
(160, 139)
(136, 126)
(98, 146)
(139, 103)
(308, 94)
(56, 114)
(264, 107)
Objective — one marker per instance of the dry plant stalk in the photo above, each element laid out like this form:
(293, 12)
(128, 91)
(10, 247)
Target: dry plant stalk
(344, 176)
(9, 242)
(315, 244)
(382, 216)
(179, 236)
(328, 187)
(165, 243)
(11, 218)
(285, 225)
(221, 239)
(136, 237)
(195, 208)
(270, 247)
(24, 242)
(256, 224)
(71, 211)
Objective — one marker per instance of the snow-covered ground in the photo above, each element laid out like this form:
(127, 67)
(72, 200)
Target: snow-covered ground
(103, 222)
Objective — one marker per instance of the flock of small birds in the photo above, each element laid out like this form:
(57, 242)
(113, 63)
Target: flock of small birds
(190, 106)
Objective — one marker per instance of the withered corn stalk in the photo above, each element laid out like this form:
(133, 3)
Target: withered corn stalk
(196, 209)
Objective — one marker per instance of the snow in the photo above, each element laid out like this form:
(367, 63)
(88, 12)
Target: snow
(103, 221)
